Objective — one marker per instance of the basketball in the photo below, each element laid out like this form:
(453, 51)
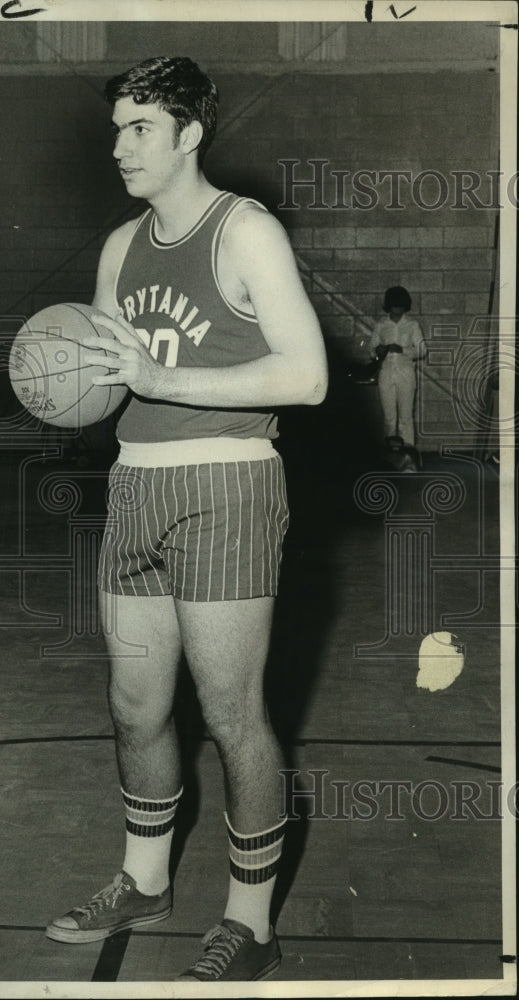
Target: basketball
(49, 374)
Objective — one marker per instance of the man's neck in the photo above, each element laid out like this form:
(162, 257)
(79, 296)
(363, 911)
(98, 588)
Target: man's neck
(179, 210)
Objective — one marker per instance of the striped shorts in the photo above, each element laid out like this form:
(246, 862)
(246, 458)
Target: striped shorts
(201, 531)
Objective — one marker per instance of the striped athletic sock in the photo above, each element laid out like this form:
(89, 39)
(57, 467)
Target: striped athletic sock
(149, 831)
(254, 860)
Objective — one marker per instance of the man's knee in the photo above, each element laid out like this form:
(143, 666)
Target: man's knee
(233, 715)
(136, 709)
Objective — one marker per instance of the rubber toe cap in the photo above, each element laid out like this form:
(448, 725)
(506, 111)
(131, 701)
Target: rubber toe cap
(66, 923)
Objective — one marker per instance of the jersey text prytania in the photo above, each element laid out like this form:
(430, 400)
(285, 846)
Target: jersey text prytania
(153, 300)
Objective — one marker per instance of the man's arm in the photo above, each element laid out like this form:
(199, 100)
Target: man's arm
(109, 262)
(294, 372)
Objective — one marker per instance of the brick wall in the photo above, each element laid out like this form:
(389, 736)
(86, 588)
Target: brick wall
(445, 255)
(62, 196)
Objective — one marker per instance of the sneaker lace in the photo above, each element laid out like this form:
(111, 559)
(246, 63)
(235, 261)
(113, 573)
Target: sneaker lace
(106, 898)
(220, 945)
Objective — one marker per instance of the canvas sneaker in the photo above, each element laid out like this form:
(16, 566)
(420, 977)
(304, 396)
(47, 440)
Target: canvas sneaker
(231, 952)
(119, 906)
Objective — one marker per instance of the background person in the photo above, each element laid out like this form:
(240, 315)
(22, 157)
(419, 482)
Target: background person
(398, 343)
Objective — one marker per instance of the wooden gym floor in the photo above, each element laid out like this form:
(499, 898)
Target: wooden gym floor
(392, 894)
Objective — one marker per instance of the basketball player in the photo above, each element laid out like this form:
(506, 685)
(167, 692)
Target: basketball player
(213, 329)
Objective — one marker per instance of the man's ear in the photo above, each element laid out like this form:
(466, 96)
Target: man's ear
(191, 137)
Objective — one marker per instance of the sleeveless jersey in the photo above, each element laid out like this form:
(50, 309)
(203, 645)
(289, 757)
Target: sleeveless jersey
(171, 295)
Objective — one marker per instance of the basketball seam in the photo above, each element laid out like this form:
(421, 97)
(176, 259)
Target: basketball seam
(48, 419)
(50, 335)
(75, 308)
(109, 387)
(67, 340)
(63, 371)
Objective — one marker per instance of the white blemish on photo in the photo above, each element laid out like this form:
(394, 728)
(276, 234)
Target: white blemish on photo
(440, 661)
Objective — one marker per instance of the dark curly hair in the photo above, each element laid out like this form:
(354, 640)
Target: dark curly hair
(178, 86)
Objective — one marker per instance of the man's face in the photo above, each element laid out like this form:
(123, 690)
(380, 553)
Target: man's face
(146, 148)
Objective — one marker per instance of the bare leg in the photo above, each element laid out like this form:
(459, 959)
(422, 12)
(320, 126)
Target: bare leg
(226, 643)
(141, 690)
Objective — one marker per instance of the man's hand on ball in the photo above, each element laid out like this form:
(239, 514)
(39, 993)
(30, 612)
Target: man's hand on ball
(129, 360)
